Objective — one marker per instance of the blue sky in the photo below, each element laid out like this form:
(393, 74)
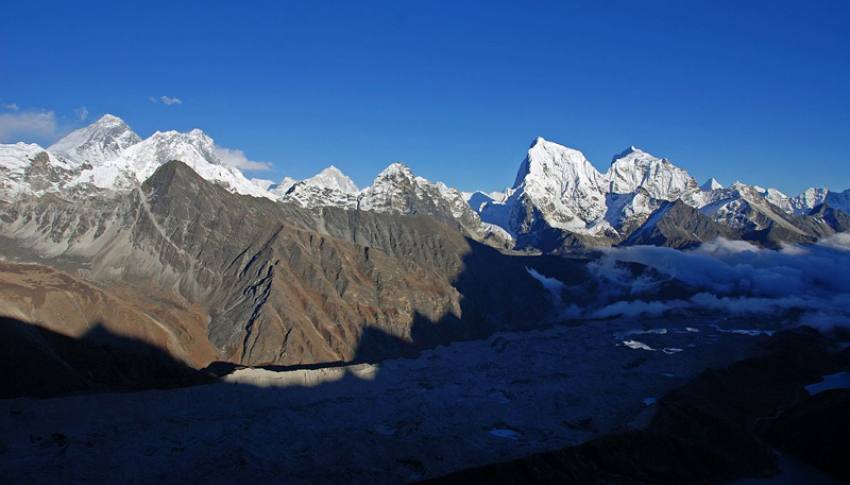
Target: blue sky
(457, 90)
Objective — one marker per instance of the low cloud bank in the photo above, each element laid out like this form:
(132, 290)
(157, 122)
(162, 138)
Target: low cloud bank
(810, 283)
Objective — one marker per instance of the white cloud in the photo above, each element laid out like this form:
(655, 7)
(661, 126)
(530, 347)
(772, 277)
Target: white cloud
(10, 106)
(840, 241)
(167, 100)
(806, 284)
(732, 278)
(236, 158)
(27, 125)
(82, 113)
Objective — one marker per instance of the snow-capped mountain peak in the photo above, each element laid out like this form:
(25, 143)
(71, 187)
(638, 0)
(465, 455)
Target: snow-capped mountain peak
(630, 151)
(332, 178)
(567, 191)
(811, 198)
(103, 140)
(117, 159)
(634, 168)
(394, 170)
(711, 184)
(330, 187)
(282, 187)
(549, 160)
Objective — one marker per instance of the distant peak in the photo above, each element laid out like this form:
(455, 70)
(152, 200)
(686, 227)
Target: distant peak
(332, 178)
(104, 139)
(109, 119)
(396, 168)
(711, 184)
(537, 141)
(630, 152)
(331, 170)
(196, 134)
(739, 186)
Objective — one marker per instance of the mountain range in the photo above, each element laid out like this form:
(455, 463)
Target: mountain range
(159, 239)
(559, 200)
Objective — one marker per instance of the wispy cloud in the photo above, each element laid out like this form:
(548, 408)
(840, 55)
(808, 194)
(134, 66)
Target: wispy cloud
(82, 113)
(10, 106)
(236, 158)
(166, 100)
(27, 125)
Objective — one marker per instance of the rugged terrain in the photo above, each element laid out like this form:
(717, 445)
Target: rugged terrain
(273, 284)
(475, 327)
(466, 404)
(159, 240)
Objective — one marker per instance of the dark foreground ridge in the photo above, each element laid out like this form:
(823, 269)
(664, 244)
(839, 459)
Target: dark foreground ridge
(37, 362)
(724, 424)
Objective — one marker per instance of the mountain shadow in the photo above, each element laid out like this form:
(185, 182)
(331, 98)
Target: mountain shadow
(38, 362)
(722, 425)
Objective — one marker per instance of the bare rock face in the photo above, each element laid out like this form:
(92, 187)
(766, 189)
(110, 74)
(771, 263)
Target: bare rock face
(276, 283)
(834, 218)
(678, 225)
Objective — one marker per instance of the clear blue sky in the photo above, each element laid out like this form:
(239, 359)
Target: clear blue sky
(753, 90)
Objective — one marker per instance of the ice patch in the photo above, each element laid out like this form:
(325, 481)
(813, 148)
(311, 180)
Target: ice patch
(671, 350)
(649, 401)
(839, 380)
(637, 345)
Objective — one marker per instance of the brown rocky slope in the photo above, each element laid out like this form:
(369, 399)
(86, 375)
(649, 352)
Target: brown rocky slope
(254, 282)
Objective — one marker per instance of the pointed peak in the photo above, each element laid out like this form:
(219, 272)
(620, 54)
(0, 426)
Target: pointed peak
(632, 153)
(546, 159)
(537, 141)
(102, 140)
(541, 144)
(396, 168)
(170, 175)
(332, 170)
(332, 178)
(711, 184)
(542, 148)
(109, 119)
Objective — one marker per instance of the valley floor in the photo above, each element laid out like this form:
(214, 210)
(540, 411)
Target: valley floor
(450, 408)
